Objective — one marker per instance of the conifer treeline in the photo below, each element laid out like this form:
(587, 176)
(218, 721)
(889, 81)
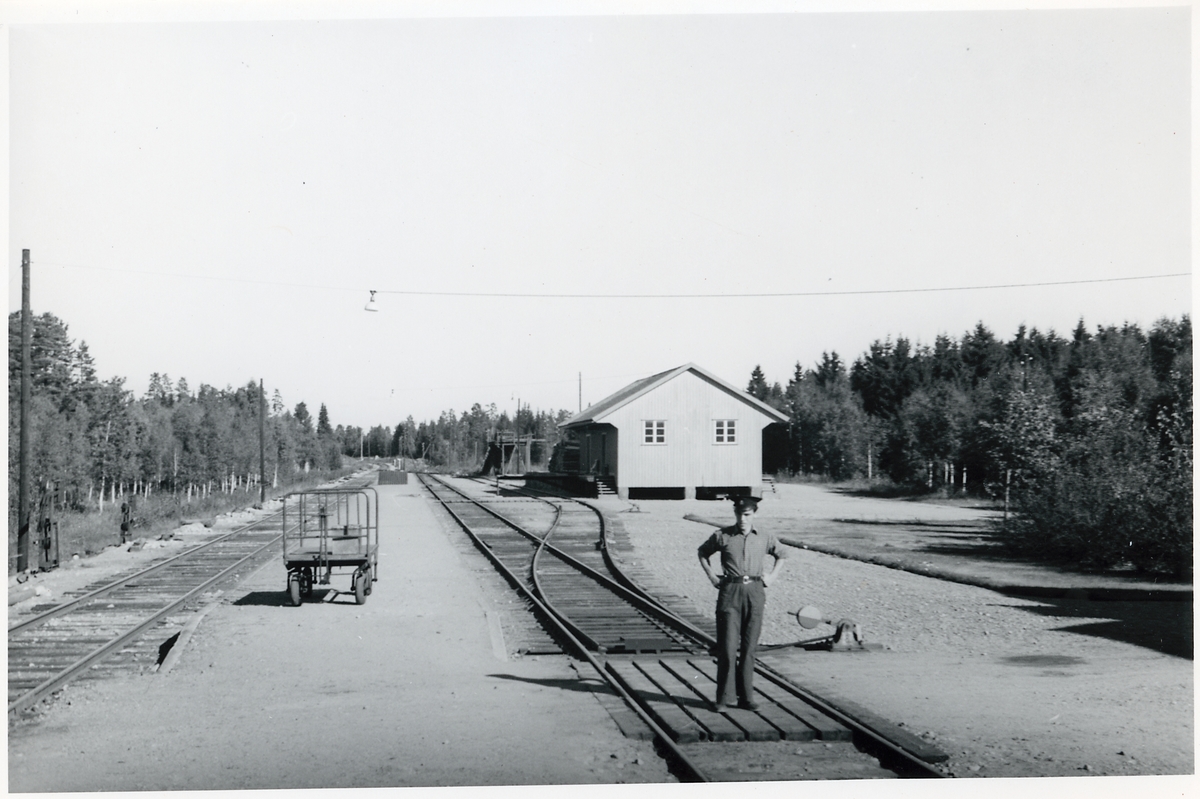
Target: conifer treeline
(458, 441)
(94, 441)
(1089, 437)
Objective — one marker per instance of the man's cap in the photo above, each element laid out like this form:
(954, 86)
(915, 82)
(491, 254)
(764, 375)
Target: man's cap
(751, 498)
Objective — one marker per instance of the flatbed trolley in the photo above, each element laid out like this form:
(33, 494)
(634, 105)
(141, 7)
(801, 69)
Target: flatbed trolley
(328, 529)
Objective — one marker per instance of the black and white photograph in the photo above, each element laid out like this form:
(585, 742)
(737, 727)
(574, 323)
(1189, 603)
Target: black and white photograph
(433, 397)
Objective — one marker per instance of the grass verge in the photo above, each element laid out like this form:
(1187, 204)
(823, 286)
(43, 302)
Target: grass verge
(89, 532)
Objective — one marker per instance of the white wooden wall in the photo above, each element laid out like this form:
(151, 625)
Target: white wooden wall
(689, 404)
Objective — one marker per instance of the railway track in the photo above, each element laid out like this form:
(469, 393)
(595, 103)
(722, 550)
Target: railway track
(106, 627)
(567, 572)
(555, 552)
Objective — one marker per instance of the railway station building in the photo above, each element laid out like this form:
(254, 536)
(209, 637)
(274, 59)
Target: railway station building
(680, 434)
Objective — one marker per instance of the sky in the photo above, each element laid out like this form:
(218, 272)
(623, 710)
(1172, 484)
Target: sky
(553, 201)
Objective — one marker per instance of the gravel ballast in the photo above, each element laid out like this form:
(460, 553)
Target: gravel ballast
(1007, 686)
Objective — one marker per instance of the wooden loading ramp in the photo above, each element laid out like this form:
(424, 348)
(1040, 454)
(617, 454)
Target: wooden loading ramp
(677, 692)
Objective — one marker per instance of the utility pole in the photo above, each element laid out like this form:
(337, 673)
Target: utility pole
(581, 392)
(262, 443)
(26, 381)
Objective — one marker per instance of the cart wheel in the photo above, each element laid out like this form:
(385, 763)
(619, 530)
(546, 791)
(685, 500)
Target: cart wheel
(294, 589)
(306, 583)
(361, 579)
(370, 578)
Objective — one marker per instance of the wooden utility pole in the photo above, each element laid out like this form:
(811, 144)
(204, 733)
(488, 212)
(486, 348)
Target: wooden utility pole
(262, 443)
(26, 383)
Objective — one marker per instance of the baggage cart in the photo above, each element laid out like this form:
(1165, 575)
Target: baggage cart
(328, 531)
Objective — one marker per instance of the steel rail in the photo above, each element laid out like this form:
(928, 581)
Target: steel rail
(690, 768)
(33, 695)
(539, 544)
(591, 643)
(63, 607)
(639, 599)
(625, 585)
(653, 611)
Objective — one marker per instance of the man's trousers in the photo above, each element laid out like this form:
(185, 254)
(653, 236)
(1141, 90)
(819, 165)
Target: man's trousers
(739, 622)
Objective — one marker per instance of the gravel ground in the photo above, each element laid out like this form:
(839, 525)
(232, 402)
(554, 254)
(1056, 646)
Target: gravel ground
(1006, 686)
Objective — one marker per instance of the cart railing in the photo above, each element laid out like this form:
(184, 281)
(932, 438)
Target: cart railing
(326, 523)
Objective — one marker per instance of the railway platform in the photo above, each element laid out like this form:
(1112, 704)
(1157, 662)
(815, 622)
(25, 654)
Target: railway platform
(410, 689)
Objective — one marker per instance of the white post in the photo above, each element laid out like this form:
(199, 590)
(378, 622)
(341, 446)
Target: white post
(1007, 481)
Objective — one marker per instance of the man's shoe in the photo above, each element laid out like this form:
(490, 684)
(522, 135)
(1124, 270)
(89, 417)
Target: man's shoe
(748, 705)
(720, 707)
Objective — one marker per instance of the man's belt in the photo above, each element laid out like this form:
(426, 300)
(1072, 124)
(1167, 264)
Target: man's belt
(743, 578)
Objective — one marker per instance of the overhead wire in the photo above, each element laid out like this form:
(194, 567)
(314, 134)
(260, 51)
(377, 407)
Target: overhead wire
(768, 294)
(644, 296)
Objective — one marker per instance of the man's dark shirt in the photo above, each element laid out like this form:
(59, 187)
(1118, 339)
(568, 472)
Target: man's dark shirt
(742, 555)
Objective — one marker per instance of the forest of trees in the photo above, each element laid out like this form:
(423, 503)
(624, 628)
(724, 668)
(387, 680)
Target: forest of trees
(1089, 438)
(95, 442)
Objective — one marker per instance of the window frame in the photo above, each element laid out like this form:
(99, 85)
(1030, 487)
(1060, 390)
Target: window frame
(654, 436)
(725, 433)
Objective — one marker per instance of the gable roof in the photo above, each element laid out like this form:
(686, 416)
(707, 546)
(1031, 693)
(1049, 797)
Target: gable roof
(606, 406)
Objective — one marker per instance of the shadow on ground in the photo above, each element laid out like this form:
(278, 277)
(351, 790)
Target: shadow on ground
(280, 598)
(902, 494)
(975, 542)
(957, 539)
(964, 543)
(1164, 627)
(563, 685)
(593, 687)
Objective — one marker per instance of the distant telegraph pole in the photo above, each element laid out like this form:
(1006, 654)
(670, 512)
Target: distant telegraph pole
(262, 443)
(26, 381)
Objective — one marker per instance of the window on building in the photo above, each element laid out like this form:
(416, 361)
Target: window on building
(725, 431)
(655, 432)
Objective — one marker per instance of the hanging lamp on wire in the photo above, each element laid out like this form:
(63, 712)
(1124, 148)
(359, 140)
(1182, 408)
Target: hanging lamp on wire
(371, 306)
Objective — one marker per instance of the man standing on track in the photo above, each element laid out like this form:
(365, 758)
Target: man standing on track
(742, 597)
